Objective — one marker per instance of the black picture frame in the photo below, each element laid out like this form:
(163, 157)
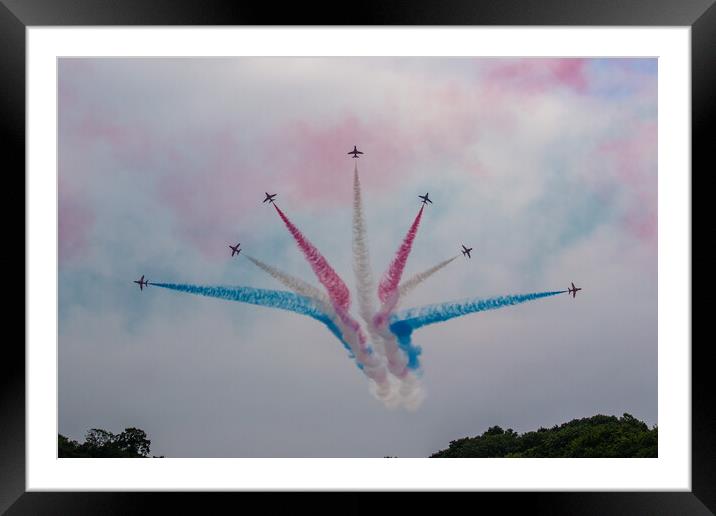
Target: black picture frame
(16, 15)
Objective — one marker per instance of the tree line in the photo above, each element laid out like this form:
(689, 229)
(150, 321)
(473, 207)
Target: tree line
(132, 442)
(596, 436)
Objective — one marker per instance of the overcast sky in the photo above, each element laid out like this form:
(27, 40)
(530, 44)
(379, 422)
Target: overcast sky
(547, 167)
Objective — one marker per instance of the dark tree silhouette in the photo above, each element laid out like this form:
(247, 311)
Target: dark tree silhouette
(133, 442)
(596, 436)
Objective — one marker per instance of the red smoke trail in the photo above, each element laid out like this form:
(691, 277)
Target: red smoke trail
(340, 298)
(336, 288)
(389, 284)
(355, 337)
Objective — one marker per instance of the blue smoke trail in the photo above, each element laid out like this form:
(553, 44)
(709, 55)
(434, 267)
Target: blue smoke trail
(262, 297)
(403, 323)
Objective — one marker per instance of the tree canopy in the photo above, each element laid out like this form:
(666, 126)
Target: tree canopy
(596, 436)
(133, 442)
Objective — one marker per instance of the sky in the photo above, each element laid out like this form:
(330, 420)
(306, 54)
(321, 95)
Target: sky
(546, 167)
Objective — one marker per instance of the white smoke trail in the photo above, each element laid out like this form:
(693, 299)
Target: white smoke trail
(361, 256)
(395, 392)
(295, 284)
(372, 366)
(406, 388)
(397, 361)
(306, 289)
(365, 284)
(405, 392)
(408, 285)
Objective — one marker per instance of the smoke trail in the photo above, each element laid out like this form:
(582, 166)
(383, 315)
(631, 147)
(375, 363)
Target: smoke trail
(262, 297)
(408, 285)
(371, 365)
(292, 283)
(389, 294)
(342, 329)
(349, 328)
(407, 391)
(389, 283)
(340, 298)
(361, 263)
(397, 361)
(404, 323)
(388, 391)
(336, 288)
(430, 314)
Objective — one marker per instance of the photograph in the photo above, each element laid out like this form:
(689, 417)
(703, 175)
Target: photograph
(443, 248)
(357, 257)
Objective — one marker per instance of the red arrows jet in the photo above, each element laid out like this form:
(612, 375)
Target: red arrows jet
(355, 152)
(142, 282)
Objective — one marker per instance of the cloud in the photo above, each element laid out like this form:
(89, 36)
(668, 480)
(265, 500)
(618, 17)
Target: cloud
(75, 221)
(537, 75)
(546, 167)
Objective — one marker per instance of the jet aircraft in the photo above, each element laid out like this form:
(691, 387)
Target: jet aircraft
(425, 198)
(355, 152)
(142, 282)
(573, 291)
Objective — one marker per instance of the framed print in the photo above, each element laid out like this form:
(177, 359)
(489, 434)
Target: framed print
(294, 255)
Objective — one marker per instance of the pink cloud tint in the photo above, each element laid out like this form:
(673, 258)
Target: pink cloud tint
(74, 224)
(131, 144)
(199, 176)
(311, 157)
(538, 75)
(208, 187)
(211, 179)
(210, 184)
(633, 159)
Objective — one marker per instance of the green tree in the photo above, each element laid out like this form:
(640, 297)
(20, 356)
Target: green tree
(99, 439)
(132, 442)
(68, 447)
(596, 436)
